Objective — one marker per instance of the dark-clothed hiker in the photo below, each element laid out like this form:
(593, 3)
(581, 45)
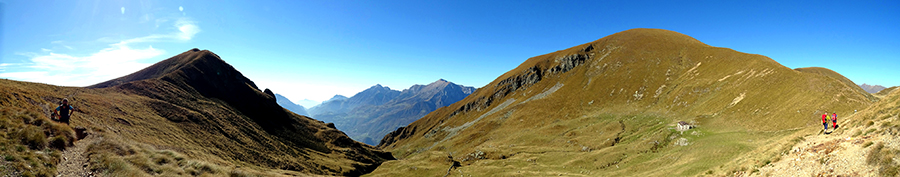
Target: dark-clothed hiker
(64, 111)
(825, 121)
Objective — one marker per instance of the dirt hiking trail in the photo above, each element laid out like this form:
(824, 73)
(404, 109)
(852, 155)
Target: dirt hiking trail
(75, 160)
(839, 153)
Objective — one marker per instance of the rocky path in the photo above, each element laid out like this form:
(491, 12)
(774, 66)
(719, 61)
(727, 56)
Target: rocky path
(75, 160)
(834, 154)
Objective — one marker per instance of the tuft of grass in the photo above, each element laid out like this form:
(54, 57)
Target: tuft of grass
(25, 118)
(59, 142)
(115, 158)
(197, 168)
(34, 137)
(118, 167)
(867, 144)
(161, 160)
(142, 162)
(776, 159)
(870, 131)
(886, 124)
(891, 171)
(883, 158)
(58, 129)
(874, 154)
(110, 146)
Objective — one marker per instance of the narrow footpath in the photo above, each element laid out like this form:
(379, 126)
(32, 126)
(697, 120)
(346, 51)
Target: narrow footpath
(75, 160)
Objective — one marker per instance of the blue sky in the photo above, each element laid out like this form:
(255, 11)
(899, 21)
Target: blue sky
(316, 49)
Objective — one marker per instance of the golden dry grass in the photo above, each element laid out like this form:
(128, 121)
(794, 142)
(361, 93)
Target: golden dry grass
(200, 117)
(613, 113)
(30, 143)
(863, 145)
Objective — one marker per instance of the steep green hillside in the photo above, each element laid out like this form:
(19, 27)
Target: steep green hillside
(609, 107)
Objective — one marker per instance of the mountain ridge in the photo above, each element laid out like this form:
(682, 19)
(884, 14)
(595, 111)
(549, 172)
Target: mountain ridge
(615, 101)
(872, 88)
(287, 104)
(194, 108)
(367, 120)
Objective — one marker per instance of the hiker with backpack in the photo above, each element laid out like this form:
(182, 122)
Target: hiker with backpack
(825, 121)
(64, 111)
(834, 120)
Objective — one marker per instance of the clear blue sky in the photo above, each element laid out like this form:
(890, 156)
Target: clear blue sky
(316, 49)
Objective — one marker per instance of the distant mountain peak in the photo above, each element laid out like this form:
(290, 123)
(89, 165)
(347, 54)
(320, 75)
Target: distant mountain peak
(372, 113)
(379, 87)
(337, 97)
(872, 88)
(288, 104)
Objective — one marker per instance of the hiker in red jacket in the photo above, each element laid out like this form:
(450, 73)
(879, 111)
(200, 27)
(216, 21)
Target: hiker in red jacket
(825, 121)
(834, 120)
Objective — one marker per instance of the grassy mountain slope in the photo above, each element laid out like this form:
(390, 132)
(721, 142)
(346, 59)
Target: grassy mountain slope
(30, 143)
(194, 114)
(609, 107)
(886, 91)
(866, 144)
(839, 77)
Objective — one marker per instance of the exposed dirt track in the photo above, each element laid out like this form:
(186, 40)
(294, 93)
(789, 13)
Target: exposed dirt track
(75, 160)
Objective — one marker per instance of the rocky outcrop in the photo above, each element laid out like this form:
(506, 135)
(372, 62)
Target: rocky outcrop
(523, 80)
(506, 86)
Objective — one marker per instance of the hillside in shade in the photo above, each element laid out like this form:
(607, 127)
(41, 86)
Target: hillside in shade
(190, 115)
